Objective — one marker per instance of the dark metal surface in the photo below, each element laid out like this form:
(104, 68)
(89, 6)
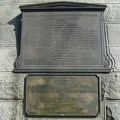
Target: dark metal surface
(63, 41)
(63, 6)
(62, 95)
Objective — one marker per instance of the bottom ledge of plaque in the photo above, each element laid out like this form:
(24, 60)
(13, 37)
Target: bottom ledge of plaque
(62, 115)
(23, 70)
(62, 95)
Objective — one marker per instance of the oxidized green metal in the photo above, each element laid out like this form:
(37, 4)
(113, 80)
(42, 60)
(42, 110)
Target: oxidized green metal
(62, 95)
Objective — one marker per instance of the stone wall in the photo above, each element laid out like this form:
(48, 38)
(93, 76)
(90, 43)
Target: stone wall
(12, 84)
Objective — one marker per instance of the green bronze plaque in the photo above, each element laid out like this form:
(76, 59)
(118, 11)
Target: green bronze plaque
(49, 95)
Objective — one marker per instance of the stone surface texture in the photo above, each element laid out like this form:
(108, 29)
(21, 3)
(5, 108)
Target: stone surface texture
(115, 52)
(114, 35)
(9, 14)
(12, 84)
(42, 1)
(113, 111)
(8, 35)
(113, 13)
(10, 110)
(7, 58)
(111, 86)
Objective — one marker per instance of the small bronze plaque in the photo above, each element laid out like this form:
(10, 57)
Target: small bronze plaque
(62, 95)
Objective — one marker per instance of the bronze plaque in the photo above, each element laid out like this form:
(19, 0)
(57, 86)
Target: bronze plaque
(63, 41)
(62, 95)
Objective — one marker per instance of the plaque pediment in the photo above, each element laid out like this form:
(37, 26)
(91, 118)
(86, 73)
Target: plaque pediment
(63, 5)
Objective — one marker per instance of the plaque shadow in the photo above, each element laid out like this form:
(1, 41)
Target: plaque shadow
(16, 21)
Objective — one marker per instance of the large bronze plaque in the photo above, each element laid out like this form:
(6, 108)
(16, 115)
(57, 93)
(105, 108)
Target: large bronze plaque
(62, 95)
(63, 41)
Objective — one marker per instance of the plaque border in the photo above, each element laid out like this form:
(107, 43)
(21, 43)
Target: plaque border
(56, 115)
